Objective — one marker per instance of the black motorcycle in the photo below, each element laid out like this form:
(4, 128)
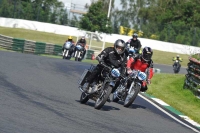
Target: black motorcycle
(68, 49)
(78, 55)
(101, 88)
(176, 66)
(129, 87)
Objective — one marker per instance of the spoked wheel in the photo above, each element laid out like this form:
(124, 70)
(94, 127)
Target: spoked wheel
(115, 98)
(84, 98)
(103, 97)
(131, 97)
(64, 54)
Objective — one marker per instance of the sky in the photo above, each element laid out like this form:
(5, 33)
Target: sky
(81, 3)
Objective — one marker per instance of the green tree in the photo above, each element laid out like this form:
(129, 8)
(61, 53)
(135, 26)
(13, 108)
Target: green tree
(173, 20)
(96, 19)
(5, 9)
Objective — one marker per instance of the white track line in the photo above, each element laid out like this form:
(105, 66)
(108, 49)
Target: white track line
(169, 114)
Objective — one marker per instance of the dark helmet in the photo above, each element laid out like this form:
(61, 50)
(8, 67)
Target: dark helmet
(82, 40)
(135, 35)
(119, 46)
(147, 53)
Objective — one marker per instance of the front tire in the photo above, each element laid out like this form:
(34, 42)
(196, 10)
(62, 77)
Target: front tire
(101, 101)
(115, 98)
(64, 52)
(131, 97)
(84, 98)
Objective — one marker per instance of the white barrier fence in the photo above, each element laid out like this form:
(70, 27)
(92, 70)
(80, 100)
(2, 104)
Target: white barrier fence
(66, 30)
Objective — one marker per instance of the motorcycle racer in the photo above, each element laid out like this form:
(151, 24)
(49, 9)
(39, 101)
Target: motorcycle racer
(143, 63)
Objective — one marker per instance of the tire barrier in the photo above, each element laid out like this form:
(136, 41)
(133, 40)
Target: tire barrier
(192, 80)
(27, 46)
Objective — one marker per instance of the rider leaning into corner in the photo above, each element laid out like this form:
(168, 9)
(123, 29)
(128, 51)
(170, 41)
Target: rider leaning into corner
(112, 57)
(134, 42)
(82, 42)
(144, 63)
(177, 58)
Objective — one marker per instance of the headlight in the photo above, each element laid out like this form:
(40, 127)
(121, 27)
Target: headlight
(115, 73)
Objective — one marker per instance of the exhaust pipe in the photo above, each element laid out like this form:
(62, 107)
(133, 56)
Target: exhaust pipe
(81, 89)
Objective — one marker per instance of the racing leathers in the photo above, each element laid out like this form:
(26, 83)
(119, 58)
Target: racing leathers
(134, 43)
(111, 59)
(138, 63)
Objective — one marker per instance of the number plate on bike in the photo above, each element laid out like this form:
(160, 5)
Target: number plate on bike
(142, 76)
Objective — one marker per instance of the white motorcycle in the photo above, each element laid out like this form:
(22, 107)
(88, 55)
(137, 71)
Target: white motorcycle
(67, 50)
(78, 52)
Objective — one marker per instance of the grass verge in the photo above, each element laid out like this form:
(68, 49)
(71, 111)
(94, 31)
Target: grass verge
(169, 88)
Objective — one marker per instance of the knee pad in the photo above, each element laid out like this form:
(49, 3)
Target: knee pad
(143, 88)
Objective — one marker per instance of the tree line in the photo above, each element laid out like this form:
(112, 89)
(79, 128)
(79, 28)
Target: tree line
(174, 21)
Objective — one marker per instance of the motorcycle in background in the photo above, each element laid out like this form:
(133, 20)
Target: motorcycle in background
(78, 52)
(133, 52)
(176, 66)
(101, 88)
(129, 87)
(68, 49)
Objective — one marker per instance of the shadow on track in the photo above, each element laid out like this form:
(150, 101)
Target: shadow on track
(133, 106)
(104, 108)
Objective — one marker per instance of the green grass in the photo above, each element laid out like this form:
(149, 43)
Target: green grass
(169, 88)
(159, 57)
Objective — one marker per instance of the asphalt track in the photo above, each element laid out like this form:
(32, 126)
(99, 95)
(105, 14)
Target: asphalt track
(40, 95)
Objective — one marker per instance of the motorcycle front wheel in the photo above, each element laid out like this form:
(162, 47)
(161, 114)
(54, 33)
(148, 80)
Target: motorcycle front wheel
(103, 97)
(115, 98)
(84, 98)
(131, 97)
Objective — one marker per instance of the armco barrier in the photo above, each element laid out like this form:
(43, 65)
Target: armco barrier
(27, 46)
(192, 80)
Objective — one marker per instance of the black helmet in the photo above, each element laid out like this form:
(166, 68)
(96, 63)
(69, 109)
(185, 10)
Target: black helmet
(147, 53)
(119, 44)
(82, 40)
(135, 35)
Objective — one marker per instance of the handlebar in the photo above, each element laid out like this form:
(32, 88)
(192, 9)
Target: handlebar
(104, 65)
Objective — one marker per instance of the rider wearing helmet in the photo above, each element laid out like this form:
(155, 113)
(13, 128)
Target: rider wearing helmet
(82, 42)
(112, 57)
(143, 63)
(69, 39)
(177, 58)
(134, 42)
